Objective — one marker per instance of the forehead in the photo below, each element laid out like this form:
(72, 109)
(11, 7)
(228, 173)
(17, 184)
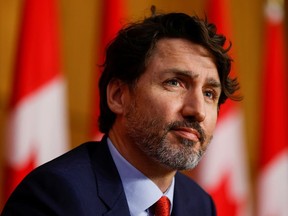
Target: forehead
(171, 44)
(183, 55)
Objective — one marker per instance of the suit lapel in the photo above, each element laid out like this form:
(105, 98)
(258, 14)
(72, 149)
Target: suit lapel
(109, 184)
(180, 204)
(189, 199)
(185, 202)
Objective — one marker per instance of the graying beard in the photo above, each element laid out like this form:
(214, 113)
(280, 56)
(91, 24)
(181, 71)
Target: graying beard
(160, 152)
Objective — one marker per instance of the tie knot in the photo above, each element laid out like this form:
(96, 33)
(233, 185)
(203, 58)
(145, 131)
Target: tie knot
(162, 207)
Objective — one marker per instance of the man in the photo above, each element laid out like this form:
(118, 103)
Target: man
(163, 82)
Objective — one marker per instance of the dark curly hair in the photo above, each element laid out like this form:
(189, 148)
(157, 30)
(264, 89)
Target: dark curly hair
(127, 54)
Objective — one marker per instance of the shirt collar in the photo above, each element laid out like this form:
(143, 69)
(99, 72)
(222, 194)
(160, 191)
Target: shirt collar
(140, 191)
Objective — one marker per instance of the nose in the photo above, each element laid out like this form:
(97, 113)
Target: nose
(194, 106)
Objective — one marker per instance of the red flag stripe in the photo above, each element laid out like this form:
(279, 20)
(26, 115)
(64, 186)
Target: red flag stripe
(36, 127)
(273, 148)
(37, 51)
(275, 100)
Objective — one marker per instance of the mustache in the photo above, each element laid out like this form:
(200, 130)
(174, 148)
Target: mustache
(188, 124)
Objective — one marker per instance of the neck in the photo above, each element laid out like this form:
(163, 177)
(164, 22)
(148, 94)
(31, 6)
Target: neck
(160, 174)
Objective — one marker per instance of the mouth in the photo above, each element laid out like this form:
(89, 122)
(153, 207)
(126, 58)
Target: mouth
(188, 133)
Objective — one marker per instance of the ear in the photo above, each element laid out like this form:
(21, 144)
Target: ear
(116, 93)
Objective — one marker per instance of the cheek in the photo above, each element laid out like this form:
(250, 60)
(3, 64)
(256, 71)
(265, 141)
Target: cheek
(152, 102)
(162, 109)
(156, 104)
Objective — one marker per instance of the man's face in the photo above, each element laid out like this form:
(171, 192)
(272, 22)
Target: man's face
(173, 109)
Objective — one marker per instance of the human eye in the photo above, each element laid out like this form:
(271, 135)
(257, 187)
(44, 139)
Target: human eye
(173, 82)
(211, 94)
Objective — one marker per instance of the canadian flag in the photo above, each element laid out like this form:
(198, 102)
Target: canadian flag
(223, 171)
(273, 148)
(113, 15)
(36, 130)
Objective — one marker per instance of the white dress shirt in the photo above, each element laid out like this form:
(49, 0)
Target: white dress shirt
(141, 193)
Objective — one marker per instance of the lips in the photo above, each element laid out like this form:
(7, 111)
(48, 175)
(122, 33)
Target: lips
(188, 133)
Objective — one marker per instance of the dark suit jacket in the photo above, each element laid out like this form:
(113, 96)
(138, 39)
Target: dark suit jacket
(85, 182)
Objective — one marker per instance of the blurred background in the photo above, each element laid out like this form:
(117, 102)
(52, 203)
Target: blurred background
(80, 38)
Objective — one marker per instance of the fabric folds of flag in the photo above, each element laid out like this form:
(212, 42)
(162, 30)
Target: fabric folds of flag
(223, 171)
(113, 14)
(273, 149)
(37, 123)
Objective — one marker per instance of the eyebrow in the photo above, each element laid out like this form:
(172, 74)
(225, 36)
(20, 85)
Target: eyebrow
(212, 82)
